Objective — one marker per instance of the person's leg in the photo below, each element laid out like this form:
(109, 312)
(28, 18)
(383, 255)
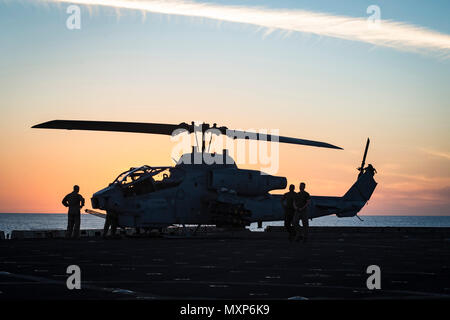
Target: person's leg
(287, 221)
(291, 228)
(114, 224)
(296, 223)
(107, 224)
(305, 226)
(70, 223)
(287, 224)
(76, 228)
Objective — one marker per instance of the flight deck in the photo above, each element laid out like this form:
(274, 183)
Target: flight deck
(414, 263)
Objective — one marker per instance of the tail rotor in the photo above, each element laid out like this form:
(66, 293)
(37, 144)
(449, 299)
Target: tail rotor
(361, 168)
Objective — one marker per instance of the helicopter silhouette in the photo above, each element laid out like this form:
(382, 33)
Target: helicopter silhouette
(194, 192)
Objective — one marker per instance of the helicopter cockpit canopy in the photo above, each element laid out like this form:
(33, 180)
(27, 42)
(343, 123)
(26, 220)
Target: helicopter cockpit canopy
(146, 179)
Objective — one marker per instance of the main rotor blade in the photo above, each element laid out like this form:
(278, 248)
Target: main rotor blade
(155, 128)
(168, 129)
(235, 134)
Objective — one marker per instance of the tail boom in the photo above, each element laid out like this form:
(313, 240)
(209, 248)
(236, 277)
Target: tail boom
(350, 204)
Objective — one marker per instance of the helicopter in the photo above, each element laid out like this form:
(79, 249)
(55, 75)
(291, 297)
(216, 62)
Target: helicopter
(200, 193)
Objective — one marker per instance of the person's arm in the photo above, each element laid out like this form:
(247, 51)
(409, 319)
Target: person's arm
(82, 201)
(306, 205)
(308, 200)
(64, 202)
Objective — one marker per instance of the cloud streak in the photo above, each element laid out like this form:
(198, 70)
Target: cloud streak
(389, 33)
(438, 154)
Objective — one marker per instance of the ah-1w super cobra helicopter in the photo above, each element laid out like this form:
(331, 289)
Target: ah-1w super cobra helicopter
(218, 194)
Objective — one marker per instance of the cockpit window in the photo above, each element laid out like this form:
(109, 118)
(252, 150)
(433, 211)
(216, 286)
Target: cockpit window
(168, 178)
(134, 174)
(163, 175)
(146, 179)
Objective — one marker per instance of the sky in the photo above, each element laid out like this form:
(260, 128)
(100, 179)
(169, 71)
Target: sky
(123, 65)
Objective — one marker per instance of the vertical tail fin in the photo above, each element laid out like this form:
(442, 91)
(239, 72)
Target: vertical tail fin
(361, 191)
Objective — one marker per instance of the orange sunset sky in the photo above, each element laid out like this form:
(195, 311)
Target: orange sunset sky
(180, 69)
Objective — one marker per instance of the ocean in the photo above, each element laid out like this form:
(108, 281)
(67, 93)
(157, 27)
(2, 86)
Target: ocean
(38, 221)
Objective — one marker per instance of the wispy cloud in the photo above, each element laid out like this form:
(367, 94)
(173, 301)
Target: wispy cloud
(390, 33)
(438, 154)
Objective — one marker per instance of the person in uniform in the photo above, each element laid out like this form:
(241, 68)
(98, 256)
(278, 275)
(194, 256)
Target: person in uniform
(288, 205)
(74, 201)
(112, 221)
(301, 203)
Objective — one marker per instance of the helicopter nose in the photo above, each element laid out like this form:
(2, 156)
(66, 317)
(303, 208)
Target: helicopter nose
(95, 203)
(106, 198)
(103, 203)
(98, 202)
(106, 201)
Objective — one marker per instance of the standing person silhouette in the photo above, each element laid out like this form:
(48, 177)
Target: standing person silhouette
(288, 205)
(112, 220)
(301, 203)
(74, 201)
